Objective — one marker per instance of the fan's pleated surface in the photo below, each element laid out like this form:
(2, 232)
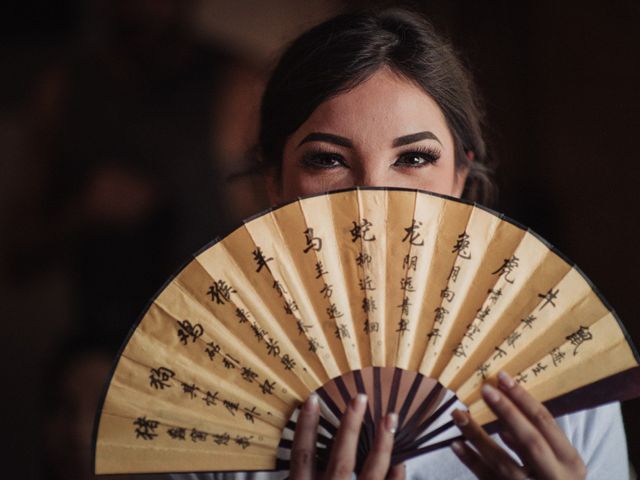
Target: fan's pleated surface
(337, 283)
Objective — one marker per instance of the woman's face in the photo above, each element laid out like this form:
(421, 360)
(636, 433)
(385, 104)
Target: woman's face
(385, 132)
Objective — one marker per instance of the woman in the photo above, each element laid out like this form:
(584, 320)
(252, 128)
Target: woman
(378, 99)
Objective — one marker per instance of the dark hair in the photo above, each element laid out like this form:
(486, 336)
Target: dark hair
(343, 52)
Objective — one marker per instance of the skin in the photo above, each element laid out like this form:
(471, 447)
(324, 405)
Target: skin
(389, 132)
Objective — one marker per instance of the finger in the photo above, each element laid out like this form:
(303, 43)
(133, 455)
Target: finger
(489, 451)
(343, 453)
(539, 416)
(530, 444)
(303, 452)
(379, 458)
(397, 472)
(472, 460)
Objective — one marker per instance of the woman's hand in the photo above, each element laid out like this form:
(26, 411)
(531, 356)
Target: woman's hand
(342, 460)
(529, 430)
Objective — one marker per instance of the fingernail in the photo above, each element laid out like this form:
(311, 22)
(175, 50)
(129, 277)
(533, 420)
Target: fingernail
(505, 380)
(458, 448)
(391, 422)
(312, 403)
(490, 394)
(460, 418)
(359, 401)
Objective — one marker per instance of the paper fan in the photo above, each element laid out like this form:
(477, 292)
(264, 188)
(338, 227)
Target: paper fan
(410, 297)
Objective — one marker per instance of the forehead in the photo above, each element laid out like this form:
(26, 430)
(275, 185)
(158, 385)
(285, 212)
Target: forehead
(384, 106)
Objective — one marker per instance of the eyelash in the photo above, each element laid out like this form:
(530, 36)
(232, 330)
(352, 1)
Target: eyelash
(312, 158)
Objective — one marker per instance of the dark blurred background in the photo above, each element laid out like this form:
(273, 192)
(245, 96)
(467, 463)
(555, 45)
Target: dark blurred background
(122, 120)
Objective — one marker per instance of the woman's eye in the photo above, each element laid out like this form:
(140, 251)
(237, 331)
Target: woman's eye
(416, 159)
(323, 160)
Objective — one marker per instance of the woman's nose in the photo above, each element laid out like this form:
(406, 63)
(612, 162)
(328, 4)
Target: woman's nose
(372, 176)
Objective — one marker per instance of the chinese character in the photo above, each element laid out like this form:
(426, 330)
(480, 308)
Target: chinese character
(440, 313)
(462, 246)
(403, 326)
(549, 297)
(368, 304)
(342, 331)
(313, 243)
(210, 398)
(190, 389)
(494, 295)
(145, 429)
(243, 441)
(314, 345)
(453, 274)
(512, 337)
(499, 353)
(277, 286)
(248, 374)
(186, 331)
(483, 369)
(221, 439)
(363, 259)
(290, 307)
(232, 407)
(261, 261)
(482, 313)
(459, 351)
(250, 414)
(366, 283)
(509, 265)
(410, 262)
(220, 292)
(447, 294)
(258, 331)
(272, 347)
(521, 377)
(404, 306)
(320, 270)
(412, 234)
(434, 335)
(198, 435)
(212, 350)
(556, 356)
(472, 329)
(229, 362)
(361, 230)
(177, 433)
(406, 284)
(371, 326)
(159, 377)
(333, 312)
(267, 387)
(302, 328)
(288, 362)
(538, 369)
(327, 291)
(528, 322)
(243, 315)
(578, 337)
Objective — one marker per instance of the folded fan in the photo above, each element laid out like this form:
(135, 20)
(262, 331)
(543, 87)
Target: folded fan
(413, 298)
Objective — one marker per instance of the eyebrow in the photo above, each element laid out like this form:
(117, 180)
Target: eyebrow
(345, 142)
(328, 138)
(415, 137)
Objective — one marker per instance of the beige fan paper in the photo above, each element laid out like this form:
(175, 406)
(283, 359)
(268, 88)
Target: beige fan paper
(336, 293)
